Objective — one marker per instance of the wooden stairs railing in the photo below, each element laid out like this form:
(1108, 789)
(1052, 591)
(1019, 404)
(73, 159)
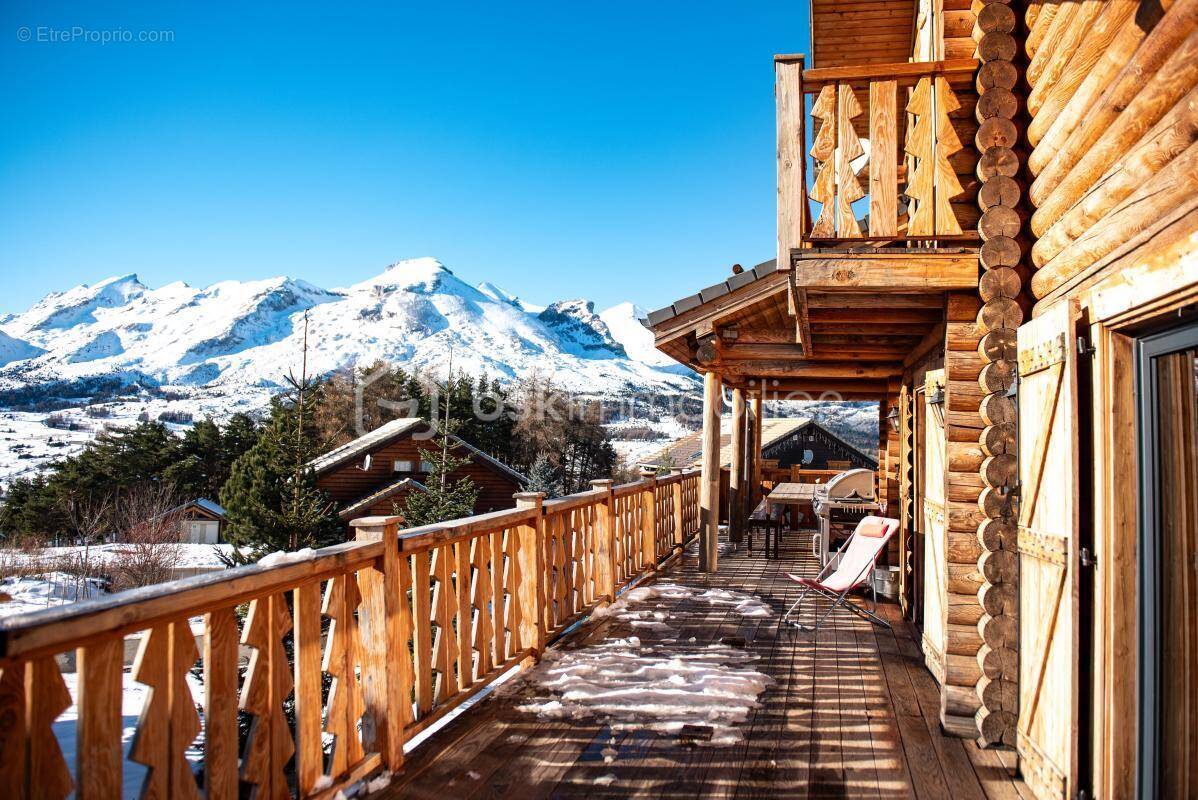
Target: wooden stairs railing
(352, 650)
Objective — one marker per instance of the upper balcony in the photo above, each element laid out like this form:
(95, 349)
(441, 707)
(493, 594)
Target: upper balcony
(876, 164)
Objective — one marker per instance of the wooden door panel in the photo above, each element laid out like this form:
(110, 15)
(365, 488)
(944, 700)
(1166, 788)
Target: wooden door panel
(1048, 517)
(934, 557)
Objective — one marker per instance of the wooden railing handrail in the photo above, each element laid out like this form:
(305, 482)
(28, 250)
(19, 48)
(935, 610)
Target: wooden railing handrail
(53, 629)
(56, 629)
(905, 72)
(409, 624)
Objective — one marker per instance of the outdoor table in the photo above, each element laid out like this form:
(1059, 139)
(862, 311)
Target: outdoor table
(787, 494)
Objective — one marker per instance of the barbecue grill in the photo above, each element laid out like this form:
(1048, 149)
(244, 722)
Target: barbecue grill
(840, 504)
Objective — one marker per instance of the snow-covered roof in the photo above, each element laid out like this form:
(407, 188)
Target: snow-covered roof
(364, 444)
(388, 491)
(209, 505)
(384, 434)
(200, 502)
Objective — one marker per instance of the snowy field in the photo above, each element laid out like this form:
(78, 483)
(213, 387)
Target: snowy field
(635, 451)
(29, 443)
(54, 587)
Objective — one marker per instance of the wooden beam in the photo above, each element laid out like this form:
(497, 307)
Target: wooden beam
(709, 482)
(793, 368)
(817, 300)
(907, 74)
(877, 272)
(751, 350)
(878, 314)
(933, 339)
(756, 417)
(801, 314)
(780, 388)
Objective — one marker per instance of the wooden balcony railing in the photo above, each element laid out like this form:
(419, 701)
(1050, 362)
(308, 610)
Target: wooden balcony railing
(891, 140)
(363, 645)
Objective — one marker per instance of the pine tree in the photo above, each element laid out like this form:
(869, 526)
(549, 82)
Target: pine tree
(544, 477)
(443, 499)
(271, 501)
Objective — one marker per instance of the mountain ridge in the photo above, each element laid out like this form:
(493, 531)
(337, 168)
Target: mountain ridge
(243, 337)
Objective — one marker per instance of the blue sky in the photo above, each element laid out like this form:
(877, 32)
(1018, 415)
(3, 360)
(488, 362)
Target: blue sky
(614, 150)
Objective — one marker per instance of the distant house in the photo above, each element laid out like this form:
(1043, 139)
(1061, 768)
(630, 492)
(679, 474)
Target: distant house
(201, 521)
(371, 475)
(789, 440)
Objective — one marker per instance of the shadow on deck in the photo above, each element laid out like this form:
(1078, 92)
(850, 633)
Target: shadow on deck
(853, 713)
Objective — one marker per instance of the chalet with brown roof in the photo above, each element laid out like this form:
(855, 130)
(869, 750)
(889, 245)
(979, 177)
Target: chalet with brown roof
(371, 475)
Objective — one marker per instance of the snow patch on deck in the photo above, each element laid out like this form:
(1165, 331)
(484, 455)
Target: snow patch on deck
(664, 689)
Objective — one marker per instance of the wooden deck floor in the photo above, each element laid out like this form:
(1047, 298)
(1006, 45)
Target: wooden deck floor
(853, 713)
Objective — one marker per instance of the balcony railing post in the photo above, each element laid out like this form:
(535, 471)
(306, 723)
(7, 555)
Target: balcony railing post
(386, 627)
(793, 219)
(605, 545)
(648, 518)
(679, 515)
(530, 561)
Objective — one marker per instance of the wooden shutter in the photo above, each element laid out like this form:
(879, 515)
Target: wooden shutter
(935, 561)
(1047, 517)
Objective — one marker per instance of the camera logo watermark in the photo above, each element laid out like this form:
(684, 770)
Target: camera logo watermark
(78, 34)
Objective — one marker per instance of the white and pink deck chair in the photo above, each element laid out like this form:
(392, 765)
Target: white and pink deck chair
(847, 569)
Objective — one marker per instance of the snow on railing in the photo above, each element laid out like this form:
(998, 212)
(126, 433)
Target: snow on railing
(407, 624)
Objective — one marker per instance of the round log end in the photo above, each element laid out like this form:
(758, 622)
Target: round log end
(1000, 251)
(998, 439)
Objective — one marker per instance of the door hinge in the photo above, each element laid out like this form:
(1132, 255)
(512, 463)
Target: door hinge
(1084, 348)
(1087, 558)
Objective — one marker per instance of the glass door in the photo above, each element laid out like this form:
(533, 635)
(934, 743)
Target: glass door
(1168, 376)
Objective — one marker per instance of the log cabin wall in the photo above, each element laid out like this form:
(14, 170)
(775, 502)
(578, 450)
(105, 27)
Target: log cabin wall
(963, 581)
(1111, 94)
(1001, 289)
(1114, 121)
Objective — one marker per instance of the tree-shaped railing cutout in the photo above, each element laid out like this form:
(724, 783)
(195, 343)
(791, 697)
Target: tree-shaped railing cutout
(930, 142)
(169, 722)
(268, 683)
(341, 658)
(823, 150)
(848, 149)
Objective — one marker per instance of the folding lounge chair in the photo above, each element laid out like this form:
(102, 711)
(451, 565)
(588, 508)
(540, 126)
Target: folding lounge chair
(851, 566)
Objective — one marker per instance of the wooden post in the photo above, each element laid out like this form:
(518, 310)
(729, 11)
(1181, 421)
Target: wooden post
(386, 626)
(648, 518)
(709, 485)
(530, 562)
(736, 478)
(679, 515)
(792, 161)
(758, 427)
(605, 545)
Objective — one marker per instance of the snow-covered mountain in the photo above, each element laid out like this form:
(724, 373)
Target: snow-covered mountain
(238, 338)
